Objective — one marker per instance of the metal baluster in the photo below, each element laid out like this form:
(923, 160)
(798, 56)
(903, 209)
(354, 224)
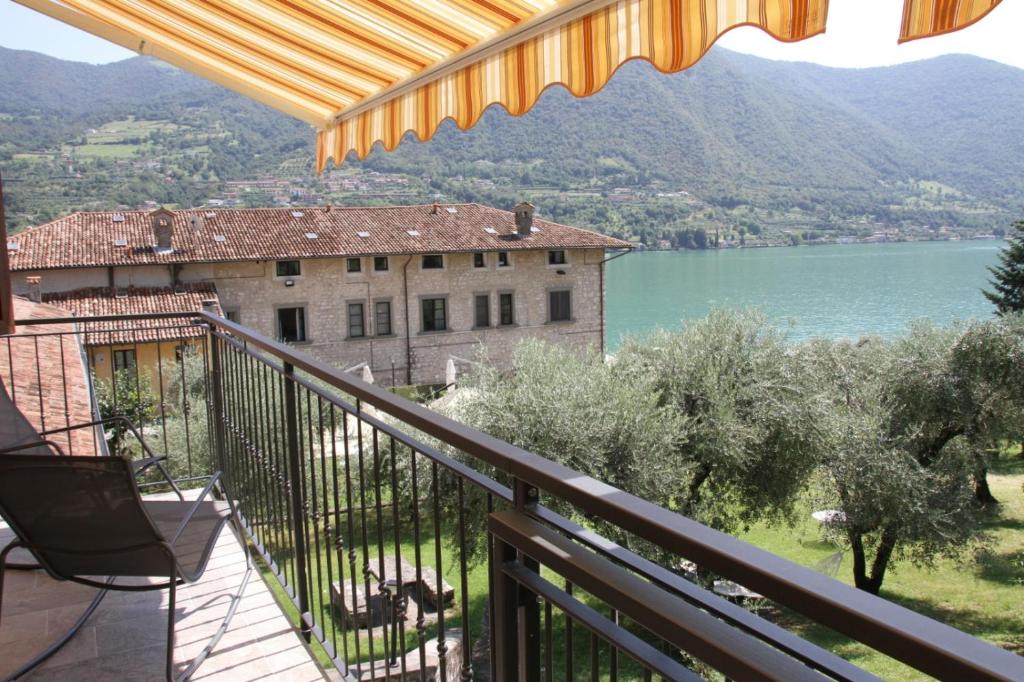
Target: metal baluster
(442, 645)
(569, 653)
(382, 588)
(362, 523)
(163, 403)
(295, 491)
(352, 555)
(401, 603)
(467, 638)
(334, 539)
(421, 630)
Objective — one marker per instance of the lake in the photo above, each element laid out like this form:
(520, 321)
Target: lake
(831, 291)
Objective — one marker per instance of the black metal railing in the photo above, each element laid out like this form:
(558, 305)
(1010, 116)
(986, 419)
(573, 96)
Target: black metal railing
(413, 546)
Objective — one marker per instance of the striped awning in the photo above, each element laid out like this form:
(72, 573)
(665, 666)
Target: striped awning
(365, 72)
(926, 18)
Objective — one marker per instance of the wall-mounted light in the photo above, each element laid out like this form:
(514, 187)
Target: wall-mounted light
(289, 282)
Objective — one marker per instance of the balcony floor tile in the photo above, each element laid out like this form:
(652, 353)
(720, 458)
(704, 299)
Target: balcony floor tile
(124, 638)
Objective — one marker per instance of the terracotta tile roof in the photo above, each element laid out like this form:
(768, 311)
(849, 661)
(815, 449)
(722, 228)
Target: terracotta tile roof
(92, 239)
(96, 301)
(49, 383)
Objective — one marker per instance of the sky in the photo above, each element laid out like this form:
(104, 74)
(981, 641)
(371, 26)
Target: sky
(860, 33)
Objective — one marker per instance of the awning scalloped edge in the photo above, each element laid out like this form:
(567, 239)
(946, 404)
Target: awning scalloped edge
(581, 55)
(927, 18)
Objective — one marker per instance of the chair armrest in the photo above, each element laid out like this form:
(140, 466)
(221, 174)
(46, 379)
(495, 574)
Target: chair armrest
(214, 479)
(103, 422)
(32, 444)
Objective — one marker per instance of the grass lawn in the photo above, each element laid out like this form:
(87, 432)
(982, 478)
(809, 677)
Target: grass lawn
(981, 594)
(978, 594)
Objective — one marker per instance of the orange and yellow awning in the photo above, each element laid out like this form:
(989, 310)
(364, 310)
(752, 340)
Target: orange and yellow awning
(365, 72)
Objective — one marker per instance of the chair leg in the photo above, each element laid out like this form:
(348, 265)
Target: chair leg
(15, 566)
(173, 593)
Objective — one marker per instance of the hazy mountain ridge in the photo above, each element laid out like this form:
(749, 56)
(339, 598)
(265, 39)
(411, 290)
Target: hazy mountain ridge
(752, 141)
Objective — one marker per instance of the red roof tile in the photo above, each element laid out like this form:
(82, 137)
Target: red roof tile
(98, 301)
(89, 239)
(49, 383)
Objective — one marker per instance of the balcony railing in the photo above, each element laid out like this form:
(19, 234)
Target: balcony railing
(412, 545)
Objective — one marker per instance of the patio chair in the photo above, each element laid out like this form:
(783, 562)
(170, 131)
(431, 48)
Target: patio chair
(18, 435)
(83, 520)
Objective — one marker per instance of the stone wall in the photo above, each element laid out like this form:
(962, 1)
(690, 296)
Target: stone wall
(325, 287)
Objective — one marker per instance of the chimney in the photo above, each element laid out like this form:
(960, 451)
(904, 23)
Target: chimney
(35, 289)
(162, 221)
(524, 218)
(435, 208)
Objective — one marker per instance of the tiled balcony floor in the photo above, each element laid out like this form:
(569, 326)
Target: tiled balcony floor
(125, 638)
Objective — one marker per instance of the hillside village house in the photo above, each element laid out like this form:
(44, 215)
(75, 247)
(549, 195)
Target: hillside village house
(400, 288)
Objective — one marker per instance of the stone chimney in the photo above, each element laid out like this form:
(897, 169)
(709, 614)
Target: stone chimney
(524, 218)
(162, 221)
(435, 208)
(35, 288)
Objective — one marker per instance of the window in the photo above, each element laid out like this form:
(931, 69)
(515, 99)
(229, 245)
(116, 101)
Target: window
(382, 309)
(435, 317)
(482, 310)
(288, 268)
(124, 359)
(503, 259)
(291, 324)
(180, 352)
(380, 263)
(356, 321)
(506, 309)
(556, 257)
(478, 260)
(433, 261)
(560, 305)
(233, 315)
(353, 265)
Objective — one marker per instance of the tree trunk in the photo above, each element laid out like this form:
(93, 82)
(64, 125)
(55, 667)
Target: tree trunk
(982, 493)
(872, 582)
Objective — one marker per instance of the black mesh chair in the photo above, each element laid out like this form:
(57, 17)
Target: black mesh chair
(18, 435)
(83, 520)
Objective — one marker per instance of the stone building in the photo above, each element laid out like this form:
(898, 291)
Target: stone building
(400, 288)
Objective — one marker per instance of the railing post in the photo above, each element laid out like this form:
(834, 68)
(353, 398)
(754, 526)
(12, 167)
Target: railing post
(516, 617)
(295, 491)
(525, 498)
(217, 367)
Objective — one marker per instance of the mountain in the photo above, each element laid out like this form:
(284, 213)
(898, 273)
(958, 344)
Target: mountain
(736, 143)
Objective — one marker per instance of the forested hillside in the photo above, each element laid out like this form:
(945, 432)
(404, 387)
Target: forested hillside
(739, 146)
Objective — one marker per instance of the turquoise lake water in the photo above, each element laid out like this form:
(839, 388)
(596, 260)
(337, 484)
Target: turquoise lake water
(831, 291)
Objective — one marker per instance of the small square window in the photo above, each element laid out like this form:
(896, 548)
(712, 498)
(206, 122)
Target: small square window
(288, 268)
(507, 309)
(482, 310)
(560, 306)
(556, 257)
(124, 359)
(435, 314)
(433, 261)
(382, 310)
(233, 315)
(380, 263)
(354, 265)
(356, 321)
(503, 261)
(479, 261)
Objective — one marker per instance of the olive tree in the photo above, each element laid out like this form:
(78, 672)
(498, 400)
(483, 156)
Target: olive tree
(910, 423)
(580, 412)
(749, 430)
